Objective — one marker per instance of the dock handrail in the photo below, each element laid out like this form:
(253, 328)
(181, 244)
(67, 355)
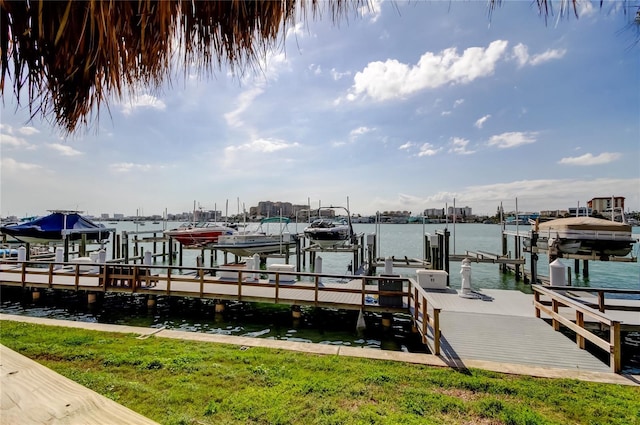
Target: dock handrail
(612, 347)
(422, 318)
(137, 278)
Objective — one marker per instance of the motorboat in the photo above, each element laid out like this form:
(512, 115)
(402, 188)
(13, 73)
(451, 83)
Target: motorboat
(55, 227)
(586, 235)
(260, 241)
(329, 233)
(199, 234)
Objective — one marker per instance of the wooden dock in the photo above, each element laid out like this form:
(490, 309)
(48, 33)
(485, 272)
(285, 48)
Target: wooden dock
(501, 326)
(493, 325)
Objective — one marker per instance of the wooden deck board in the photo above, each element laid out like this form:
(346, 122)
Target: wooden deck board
(512, 339)
(33, 394)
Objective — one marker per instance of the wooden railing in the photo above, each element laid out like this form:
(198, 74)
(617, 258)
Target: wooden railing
(612, 347)
(138, 278)
(423, 318)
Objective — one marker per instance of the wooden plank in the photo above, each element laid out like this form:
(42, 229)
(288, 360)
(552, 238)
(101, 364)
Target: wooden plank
(512, 339)
(33, 395)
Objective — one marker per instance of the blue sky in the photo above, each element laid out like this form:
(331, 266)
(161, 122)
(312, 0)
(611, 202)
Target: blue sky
(407, 106)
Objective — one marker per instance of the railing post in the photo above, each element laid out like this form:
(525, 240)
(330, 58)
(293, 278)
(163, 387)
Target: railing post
(169, 281)
(239, 285)
(601, 301)
(580, 322)
(436, 331)
(554, 321)
(50, 275)
(616, 350)
(536, 298)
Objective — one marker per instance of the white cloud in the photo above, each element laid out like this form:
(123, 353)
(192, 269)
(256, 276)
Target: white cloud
(521, 54)
(142, 101)
(445, 113)
(372, 9)
(126, 167)
(338, 75)
(10, 165)
(407, 145)
(360, 131)
(28, 131)
(244, 102)
(262, 146)
(459, 146)
(64, 150)
(458, 102)
(512, 139)
(427, 149)
(9, 141)
(590, 159)
(480, 122)
(392, 79)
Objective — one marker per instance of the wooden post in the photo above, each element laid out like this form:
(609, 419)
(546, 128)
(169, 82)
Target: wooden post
(125, 246)
(83, 245)
(170, 251)
(66, 249)
(180, 256)
(504, 250)
(115, 242)
(585, 268)
(516, 241)
(576, 266)
(615, 358)
(580, 323)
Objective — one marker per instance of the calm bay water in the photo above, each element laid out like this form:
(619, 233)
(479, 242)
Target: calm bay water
(321, 325)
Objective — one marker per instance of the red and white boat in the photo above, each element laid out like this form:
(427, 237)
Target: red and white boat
(199, 234)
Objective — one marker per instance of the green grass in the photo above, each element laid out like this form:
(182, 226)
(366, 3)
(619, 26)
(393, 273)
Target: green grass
(187, 382)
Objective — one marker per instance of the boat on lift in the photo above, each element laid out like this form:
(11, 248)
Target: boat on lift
(330, 232)
(586, 236)
(262, 241)
(199, 234)
(57, 226)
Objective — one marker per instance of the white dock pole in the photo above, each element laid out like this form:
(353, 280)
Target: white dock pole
(317, 266)
(255, 266)
(147, 258)
(388, 266)
(22, 254)
(465, 271)
(94, 260)
(59, 257)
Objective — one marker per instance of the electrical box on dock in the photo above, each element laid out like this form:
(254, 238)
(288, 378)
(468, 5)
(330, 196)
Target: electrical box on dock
(432, 279)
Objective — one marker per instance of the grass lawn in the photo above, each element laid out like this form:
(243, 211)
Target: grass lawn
(187, 382)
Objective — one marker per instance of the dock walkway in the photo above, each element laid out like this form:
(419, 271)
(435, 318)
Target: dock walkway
(502, 325)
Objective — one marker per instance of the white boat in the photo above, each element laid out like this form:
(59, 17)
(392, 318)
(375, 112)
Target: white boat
(259, 241)
(329, 233)
(587, 235)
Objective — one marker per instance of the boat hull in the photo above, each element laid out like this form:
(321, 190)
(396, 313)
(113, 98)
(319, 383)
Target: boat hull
(198, 236)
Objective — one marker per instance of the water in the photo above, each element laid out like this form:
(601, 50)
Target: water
(324, 326)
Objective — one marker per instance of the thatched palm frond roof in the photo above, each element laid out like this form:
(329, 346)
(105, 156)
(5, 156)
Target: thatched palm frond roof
(72, 55)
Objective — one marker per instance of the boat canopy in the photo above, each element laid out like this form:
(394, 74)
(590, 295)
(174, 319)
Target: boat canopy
(584, 223)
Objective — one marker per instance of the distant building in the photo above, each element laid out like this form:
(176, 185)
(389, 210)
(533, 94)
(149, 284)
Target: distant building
(604, 205)
(580, 212)
(104, 216)
(118, 216)
(433, 212)
(459, 212)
